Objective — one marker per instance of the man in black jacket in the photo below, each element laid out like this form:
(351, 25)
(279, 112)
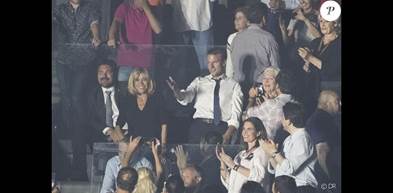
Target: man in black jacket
(103, 106)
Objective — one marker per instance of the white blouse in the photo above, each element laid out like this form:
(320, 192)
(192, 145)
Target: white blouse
(257, 163)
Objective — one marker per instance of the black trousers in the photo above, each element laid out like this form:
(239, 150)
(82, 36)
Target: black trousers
(74, 81)
(199, 128)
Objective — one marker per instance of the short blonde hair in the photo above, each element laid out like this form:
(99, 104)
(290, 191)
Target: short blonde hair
(145, 182)
(136, 73)
(271, 70)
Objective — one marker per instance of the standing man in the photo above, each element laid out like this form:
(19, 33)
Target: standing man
(218, 100)
(253, 49)
(77, 22)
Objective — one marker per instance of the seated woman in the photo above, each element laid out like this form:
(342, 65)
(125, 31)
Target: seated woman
(249, 164)
(142, 108)
(262, 106)
(322, 63)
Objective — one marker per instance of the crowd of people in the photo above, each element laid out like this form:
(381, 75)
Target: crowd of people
(274, 89)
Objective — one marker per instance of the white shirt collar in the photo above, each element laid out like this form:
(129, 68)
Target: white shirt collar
(108, 89)
(222, 76)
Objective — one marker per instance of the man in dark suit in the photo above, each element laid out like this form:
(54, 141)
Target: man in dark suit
(103, 106)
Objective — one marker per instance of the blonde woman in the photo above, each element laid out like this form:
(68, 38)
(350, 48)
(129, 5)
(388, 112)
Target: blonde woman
(145, 182)
(142, 108)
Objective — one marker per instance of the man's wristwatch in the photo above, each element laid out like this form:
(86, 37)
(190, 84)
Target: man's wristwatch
(236, 167)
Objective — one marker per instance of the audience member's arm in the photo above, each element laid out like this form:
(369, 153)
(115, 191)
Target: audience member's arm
(231, 164)
(155, 25)
(96, 34)
(164, 133)
(94, 27)
(116, 134)
(273, 163)
(109, 182)
(306, 55)
(183, 96)
(330, 65)
(270, 148)
(253, 93)
(224, 173)
(154, 149)
(163, 115)
(132, 146)
(283, 29)
(322, 151)
(310, 27)
(181, 158)
(113, 30)
(288, 165)
(237, 105)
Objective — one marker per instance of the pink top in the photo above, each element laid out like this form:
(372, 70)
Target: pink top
(135, 37)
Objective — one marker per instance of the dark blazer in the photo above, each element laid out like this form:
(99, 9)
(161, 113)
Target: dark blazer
(96, 113)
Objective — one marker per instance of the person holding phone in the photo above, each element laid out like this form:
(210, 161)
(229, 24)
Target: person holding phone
(249, 164)
(259, 104)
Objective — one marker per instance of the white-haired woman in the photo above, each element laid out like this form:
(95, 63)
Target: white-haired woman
(261, 102)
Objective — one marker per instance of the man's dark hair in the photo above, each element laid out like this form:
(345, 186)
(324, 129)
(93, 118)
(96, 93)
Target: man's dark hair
(218, 51)
(243, 10)
(295, 113)
(256, 11)
(127, 179)
(108, 62)
(285, 184)
(252, 187)
(285, 81)
(212, 137)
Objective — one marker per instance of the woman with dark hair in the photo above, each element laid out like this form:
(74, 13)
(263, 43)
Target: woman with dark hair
(249, 164)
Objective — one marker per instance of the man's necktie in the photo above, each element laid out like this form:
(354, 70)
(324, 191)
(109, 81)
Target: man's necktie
(216, 104)
(108, 109)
